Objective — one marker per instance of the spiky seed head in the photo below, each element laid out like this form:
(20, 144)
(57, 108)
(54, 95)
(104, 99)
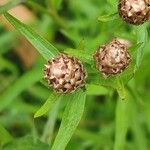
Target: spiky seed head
(134, 11)
(65, 73)
(112, 58)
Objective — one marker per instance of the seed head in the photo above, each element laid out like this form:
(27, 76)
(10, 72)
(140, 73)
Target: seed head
(65, 74)
(134, 11)
(112, 58)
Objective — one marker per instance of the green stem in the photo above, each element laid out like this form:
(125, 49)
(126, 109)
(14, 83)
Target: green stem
(122, 123)
(121, 89)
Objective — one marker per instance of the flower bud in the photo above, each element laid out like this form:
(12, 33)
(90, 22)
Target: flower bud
(112, 58)
(134, 11)
(65, 73)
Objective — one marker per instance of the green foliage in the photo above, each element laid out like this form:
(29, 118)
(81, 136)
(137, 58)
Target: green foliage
(17, 87)
(5, 137)
(47, 105)
(71, 118)
(26, 143)
(116, 112)
(123, 109)
(142, 36)
(110, 17)
(46, 49)
(10, 5)
(93, 89)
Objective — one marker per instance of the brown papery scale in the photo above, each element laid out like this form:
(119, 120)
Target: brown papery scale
(65, 73)
(112, 58)
(134, 11)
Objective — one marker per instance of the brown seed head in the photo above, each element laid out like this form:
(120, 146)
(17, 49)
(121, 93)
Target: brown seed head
(134, 11)
(65, 74)
(112, 58)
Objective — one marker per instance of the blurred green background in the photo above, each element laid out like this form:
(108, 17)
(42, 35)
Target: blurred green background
(71, 24)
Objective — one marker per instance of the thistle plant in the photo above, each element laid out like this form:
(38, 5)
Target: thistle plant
(93, 98)
(65, 74)
(112, 58)
(134, 11)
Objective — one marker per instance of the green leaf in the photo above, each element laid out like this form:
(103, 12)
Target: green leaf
(5, 137)
(147, 111)
(8, 65)
(46, 49)
(71, 118)
(100, 139)
(51, 12)
(139, 134)
(26, 143)
(71, 35)
(81, 45)
(80, 54)
(92, 89)
(122, 123)
(7, 41)
(134, 48)
(10, 5)
(47, 105)
(19, 85)
(142, 36)
(108, 17)
(113, 3)
(55, 3)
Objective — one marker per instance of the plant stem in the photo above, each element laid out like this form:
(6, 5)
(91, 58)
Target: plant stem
(122, 123)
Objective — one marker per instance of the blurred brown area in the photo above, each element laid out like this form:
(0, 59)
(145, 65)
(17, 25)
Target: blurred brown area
(3, 2)
(25, 51)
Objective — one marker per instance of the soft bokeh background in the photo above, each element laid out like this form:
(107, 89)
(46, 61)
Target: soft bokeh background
(68, 24)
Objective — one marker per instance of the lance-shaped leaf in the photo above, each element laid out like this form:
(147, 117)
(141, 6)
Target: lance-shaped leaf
(25, 81)
(71, 118)
(47, 105)
(108, 17)
(10, 5)
(5, 137)
(46, 49)
(142, 36)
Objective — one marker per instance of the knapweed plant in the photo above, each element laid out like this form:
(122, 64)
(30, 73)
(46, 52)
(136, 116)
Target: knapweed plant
(91, 74)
